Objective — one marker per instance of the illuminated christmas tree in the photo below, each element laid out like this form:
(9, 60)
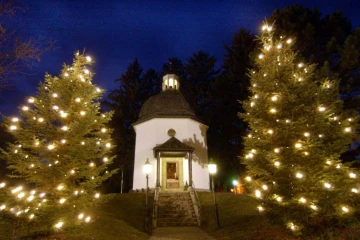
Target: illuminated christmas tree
(62, 149)
(297, 132)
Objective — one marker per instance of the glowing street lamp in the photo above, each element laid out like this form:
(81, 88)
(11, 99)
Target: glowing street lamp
(235, 183)
(212, 170)
(147, 168)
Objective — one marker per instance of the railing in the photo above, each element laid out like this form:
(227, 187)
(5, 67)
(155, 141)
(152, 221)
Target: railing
(155, 207)
(196, 202)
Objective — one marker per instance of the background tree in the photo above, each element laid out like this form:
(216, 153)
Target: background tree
(329, 41)
(135, 87)
(226, 129)
(297, 132)
(62, 149)
(17, 53)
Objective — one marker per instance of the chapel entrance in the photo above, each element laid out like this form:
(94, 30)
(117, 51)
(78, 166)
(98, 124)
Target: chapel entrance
(172, 175)
(171, 172)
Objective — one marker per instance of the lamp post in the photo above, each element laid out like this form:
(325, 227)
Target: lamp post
(122, 178)
(147, 167)
(235, 183)
(212, 171)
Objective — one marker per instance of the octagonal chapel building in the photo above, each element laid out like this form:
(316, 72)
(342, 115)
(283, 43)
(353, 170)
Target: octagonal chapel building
(173, 139)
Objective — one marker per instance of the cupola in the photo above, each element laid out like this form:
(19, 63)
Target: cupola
(170, 82)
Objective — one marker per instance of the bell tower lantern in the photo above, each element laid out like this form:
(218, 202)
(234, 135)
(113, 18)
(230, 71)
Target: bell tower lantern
(170, 82)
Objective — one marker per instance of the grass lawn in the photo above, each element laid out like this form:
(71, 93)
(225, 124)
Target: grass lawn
(123, 218)
(239, 218)
(120, 218)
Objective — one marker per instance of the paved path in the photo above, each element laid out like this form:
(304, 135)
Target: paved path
(183, 233)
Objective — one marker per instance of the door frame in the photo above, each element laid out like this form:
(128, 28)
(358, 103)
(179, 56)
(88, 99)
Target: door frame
(177, 160)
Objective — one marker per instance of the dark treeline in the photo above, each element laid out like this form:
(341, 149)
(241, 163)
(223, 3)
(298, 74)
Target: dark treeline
(216, 94)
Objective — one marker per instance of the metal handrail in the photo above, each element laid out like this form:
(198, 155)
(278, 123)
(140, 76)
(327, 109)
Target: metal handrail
(155, 207)
(197, 202)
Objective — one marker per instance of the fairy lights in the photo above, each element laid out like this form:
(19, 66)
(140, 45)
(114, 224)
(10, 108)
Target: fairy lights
(59, 225)
(298, 145)
(299, 175)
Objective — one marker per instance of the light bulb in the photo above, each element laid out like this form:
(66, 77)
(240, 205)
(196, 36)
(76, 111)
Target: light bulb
(327, 185)
(82, 113)
(270, 131)
(277, 164)
(80, 216)
(274, 98)
(273, 110)
(345, 209)
(322, 109)
(51, 147)
(302, 200)
(299, 175)
(103, 130)
(41, 119)
(261, 56)
(105, 159)
(25, 108)
(108, 145)
(77, 99)
(60, 187)
(348, 129)
(63, 114)
(97, 195)
(62, 200)
(54, 95)
(59, 225)
(313, 207)
(352, 175)
(88, 58)
(306, 134)
(298, 145)
(260, 208)
(15, 119)
(257, 193)
(289, 41)
(248, 178)
(13, 127)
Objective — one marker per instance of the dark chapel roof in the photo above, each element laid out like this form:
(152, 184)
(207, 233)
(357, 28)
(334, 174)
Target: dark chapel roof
(170, 103)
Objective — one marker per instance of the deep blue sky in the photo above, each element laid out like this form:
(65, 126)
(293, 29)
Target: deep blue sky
(115, 32)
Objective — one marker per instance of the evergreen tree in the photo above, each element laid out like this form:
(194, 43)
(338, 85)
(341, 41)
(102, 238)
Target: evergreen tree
(135, 87)
(329, 41)
(62, 149)
(297, 132)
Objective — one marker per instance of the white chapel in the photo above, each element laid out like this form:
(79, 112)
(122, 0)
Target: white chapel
(173, 139)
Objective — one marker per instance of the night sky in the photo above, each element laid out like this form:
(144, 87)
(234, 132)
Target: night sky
(116, 32)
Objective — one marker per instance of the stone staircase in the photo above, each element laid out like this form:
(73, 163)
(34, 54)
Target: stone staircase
(175, 209)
